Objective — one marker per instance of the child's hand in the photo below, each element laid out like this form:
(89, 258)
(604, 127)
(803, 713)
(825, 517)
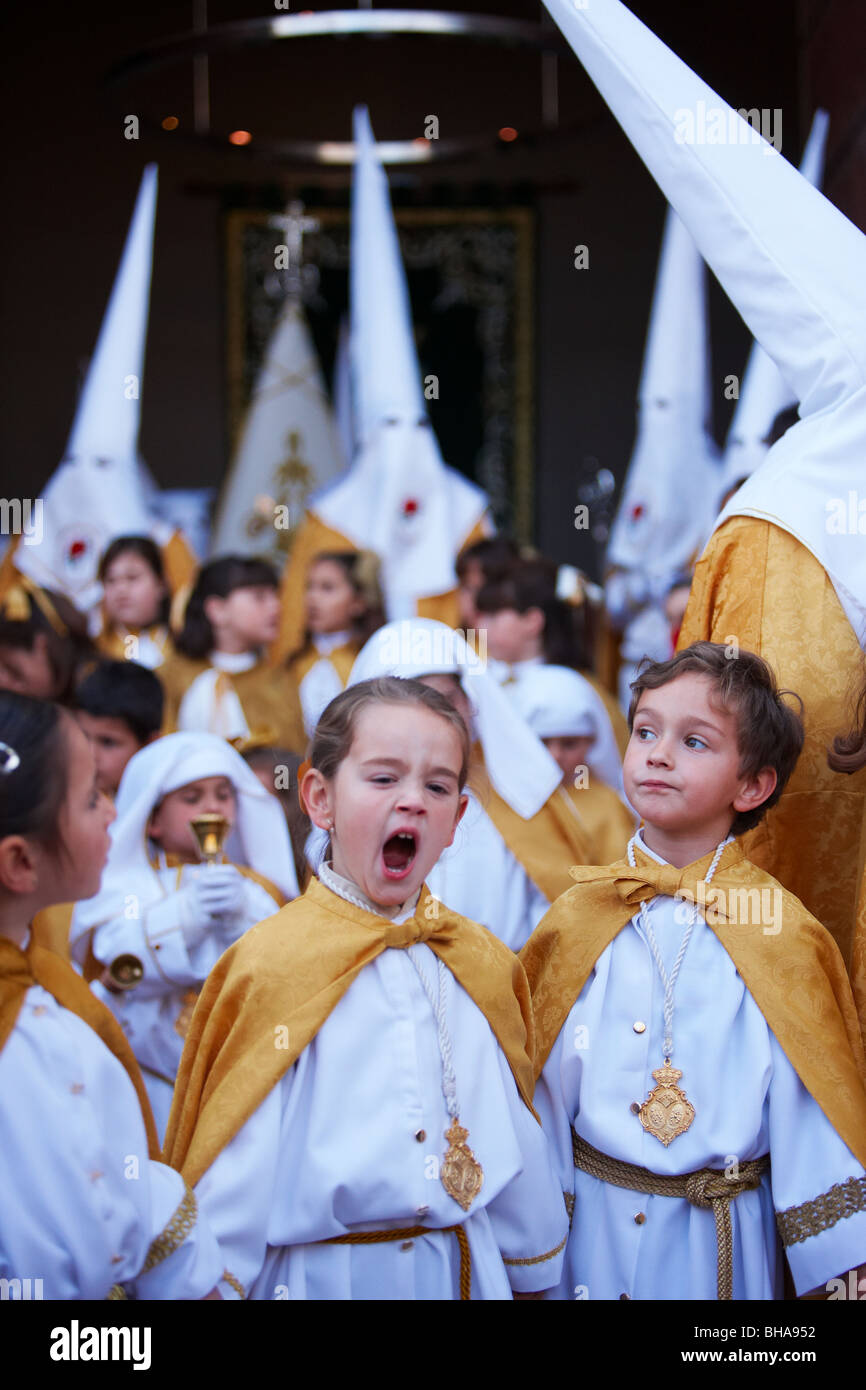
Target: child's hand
(219, 891)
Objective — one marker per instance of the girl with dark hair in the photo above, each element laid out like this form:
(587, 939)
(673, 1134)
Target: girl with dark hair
(344, 606)
(218, 681)
(366, 1131)
(135, 605)
(528, 625)
(74, 1115)
(43, 642)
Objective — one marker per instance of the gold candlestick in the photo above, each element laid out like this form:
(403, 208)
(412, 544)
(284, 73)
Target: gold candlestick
(210, 831)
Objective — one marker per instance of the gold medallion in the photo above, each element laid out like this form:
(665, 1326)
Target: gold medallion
(460, 1172)
(666, 1112)
(187, 1008)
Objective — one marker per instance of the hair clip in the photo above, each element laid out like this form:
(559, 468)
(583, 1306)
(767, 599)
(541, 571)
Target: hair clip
(9, 759)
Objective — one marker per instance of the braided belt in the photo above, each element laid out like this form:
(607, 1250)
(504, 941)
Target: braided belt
(707, 1188)
(409, 1233)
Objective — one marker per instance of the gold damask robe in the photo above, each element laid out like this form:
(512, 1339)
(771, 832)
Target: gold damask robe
(759, 586)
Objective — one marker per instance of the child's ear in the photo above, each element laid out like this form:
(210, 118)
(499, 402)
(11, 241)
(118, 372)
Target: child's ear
(154, 830)
(214, 609)
(18, 864)
(316, 794)
(533, 620)
(461, 807)
(756, 790)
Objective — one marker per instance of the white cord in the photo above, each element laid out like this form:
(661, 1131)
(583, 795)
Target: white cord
(669, 981)
(439, 1006)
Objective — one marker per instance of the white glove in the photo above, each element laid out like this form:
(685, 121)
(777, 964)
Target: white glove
(216, 896)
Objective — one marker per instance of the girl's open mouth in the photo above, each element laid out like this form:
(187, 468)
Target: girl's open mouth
(398, 854)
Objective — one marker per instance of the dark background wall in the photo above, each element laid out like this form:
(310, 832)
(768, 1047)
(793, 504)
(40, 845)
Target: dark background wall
(70, 180)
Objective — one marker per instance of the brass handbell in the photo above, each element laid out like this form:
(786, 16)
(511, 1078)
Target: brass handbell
(210, 831)
(124, 972)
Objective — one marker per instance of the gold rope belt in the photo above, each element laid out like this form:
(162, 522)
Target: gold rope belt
(409, 1233)
(707, 1188)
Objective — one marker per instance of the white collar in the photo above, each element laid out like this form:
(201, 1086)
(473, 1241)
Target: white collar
(233, 662)
(349, 891)
(641, 845)
(327, 642)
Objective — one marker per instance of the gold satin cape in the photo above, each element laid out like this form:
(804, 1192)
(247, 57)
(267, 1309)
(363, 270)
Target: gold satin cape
(269, 700)
(285, 976)
(111, 643)
(39, 965)
(313, 537)
(796, 977)
(756, 583)
(342, 659)
(565, 831)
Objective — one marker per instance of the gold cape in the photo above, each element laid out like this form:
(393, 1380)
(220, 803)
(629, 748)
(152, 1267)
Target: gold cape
(112, 643)
(756, 583)
(557, 836)
(269, 700)
(342, 659)
(796, 977)
(284, 977)
(312, 538)
(39, 965)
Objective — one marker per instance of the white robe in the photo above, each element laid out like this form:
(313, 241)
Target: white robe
(82, 1201)
(479, 877)
(172, 968)
(351, 1139)
(322, 683)
(748, 1101)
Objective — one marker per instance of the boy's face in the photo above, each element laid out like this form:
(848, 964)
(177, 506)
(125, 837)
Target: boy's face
(169, 825)
(113, 744)
(681, 767)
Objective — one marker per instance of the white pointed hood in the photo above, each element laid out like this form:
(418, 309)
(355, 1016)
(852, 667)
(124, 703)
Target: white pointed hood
(289, 447)
(97, 493)
(764, 392)
(342, 394)
(671, 489)
(398, 499)
(794, 266)
(519, 766)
